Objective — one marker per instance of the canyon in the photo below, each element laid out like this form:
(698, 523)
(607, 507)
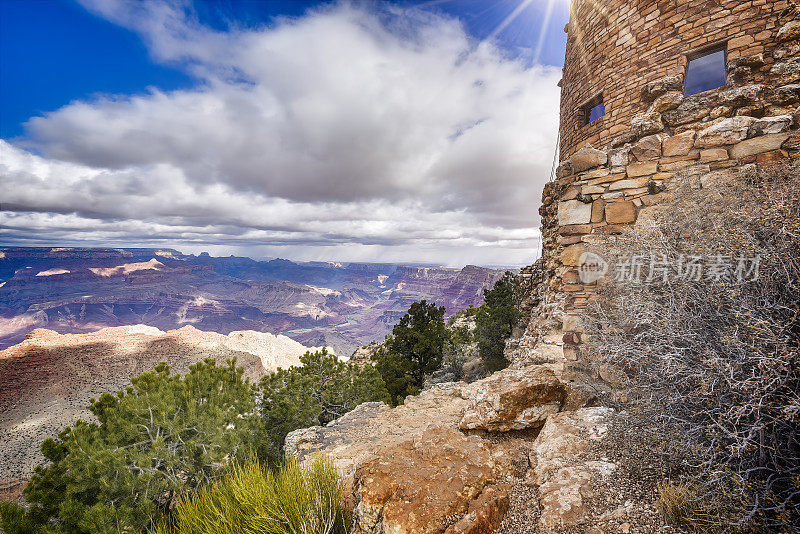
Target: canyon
(339, 305)
(77, 322)
(47, 381)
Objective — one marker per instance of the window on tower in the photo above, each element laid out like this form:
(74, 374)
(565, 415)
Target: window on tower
(705, 72)
(593, 109)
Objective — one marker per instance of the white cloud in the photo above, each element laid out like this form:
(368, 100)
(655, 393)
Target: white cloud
(345, 132)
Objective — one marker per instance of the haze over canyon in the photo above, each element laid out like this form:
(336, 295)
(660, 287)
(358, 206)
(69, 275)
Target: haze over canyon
(340, 305)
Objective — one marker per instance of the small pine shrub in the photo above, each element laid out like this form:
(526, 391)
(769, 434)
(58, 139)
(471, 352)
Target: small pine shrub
(252, 499)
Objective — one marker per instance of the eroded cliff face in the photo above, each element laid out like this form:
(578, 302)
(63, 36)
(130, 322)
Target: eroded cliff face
(48, 379)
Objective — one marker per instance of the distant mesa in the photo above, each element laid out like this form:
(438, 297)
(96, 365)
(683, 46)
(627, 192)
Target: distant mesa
(346, 305)
(126, 268)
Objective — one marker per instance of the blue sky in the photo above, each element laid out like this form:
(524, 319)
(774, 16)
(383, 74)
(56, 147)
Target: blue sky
(68, 70)
(54, 51)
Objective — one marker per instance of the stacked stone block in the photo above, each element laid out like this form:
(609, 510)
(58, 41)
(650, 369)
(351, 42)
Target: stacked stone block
(635, 53)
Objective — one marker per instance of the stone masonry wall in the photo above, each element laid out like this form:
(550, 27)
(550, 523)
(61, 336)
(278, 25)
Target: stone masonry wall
(658, 139)
(620, 47)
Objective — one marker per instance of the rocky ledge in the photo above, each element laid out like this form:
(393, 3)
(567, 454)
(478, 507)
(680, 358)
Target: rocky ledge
(519, 451)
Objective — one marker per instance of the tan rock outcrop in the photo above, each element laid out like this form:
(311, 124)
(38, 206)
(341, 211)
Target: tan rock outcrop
(648, 148)
(770, 125)
(574, 212)
(410, 470)
(514, 399)
(620, 212)
(563, 470)
(429, 483)
(759, 145)
(789, 31)
(725, 132)
(587, 158)
(678, 145)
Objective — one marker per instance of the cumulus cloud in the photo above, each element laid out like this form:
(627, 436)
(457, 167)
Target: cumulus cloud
(352, 132)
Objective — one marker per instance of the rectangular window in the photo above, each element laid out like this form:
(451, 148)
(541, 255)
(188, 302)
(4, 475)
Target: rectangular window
(593, 109)
(705, 72)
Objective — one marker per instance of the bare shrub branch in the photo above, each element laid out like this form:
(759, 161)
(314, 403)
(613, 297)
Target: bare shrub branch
(712, 364)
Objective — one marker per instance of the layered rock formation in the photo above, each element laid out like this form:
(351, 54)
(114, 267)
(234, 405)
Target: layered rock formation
(345, 306)
(47, 380)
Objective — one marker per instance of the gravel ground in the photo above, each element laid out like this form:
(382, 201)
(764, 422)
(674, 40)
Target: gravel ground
(622, 503)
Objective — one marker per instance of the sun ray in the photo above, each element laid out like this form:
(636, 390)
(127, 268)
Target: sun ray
(509, 19)
(431, 3)
(543, 32)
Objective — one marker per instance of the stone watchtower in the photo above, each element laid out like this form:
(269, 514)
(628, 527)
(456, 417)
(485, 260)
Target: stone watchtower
(656, 88)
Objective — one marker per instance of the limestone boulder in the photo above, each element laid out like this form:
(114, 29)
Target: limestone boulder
(659, 87)
(630, 183)
(620, 212)
(441, 481)
(678, 145)
(564, 169)
(587, 158)
(647, 123)
(619, 157)
(648, 148)
(740, 96)
(741, 70)
(787, 94)
(786, 72)
(622, 140)
(574, 212)
(410, 469)
(564, 469)
(297, 439)
(642, 169)
(789, 31)
(771, 125)
(667, 102)
(792, 143)
(598, 210)
(787, 49)
(759, 145)
(693, 108)
(753, 60)
(515, 399)
(485, 513)
(709, 155)
(725, 132)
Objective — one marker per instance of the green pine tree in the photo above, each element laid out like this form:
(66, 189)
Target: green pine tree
(163, 435)
(323, 389)
(495, 320)
(415, 349)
